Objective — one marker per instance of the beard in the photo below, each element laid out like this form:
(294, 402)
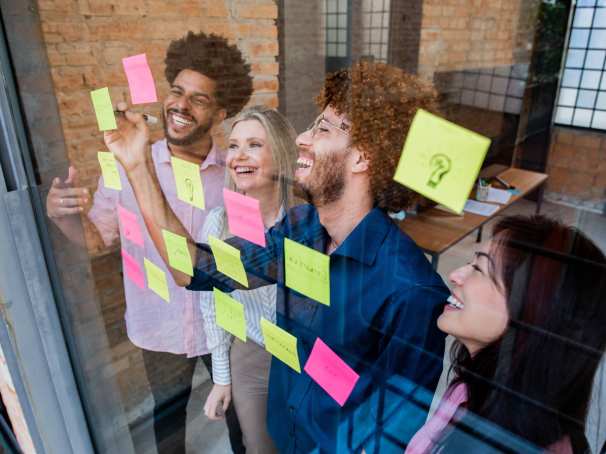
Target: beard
(198, 133)
(326, 180)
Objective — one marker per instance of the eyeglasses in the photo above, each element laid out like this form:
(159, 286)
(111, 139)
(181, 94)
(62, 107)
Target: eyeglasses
(321, 123)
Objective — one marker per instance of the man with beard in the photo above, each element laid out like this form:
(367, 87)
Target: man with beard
(209, 81)
(384, 296)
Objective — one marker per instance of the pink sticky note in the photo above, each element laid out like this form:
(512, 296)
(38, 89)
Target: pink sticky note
(130, 225)
(331, 372)
(132, 269)
(140, 79)
(244, 217)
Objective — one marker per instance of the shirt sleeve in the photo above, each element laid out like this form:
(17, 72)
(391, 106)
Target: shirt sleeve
(103, 213)
(218, 341)
(407, 370)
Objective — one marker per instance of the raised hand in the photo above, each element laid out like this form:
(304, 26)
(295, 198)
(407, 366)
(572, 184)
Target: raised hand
(130, 142)
(64, 197)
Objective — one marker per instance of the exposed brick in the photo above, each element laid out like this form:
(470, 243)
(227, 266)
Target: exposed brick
(257, 11)
(588, 140)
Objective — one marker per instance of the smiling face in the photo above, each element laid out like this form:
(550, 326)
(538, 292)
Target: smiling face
(249, 157)
(322, 158)
(190, 109)
(478, 312)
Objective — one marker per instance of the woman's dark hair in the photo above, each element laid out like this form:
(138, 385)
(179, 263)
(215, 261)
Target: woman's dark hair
(212, 56)
(535, 380)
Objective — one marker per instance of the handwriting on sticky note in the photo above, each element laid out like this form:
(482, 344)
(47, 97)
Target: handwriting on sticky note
(229, 314)
(140, 79)
(307, 271)
(156, 279)
(228, 260)
(109, 170)
(244, 217)
(281, 344)
(132, 269)
(130, 226)
(331, 372)
(441, 160)
(188, 181)
(178, 253)
(104, 110)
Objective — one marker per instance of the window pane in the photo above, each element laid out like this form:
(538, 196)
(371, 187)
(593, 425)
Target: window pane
(564, 115)
(601, 103)
(591, 79)
(331, 6)
(586, 3)
(331, 50)
(599, 18)
(583, 17)
(331, 35)
(598, 39)
(586, 98)
(342, 21)
(568, 97)
(599, 120)
(579, 38)
(342, 51)
(575, 58)
(595, 59)
(331, 21)
(582, 117)
(571, 78)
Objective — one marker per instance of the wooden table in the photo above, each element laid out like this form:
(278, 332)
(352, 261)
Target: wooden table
(435, 230)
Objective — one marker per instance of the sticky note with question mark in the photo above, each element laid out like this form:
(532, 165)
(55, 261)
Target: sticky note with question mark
(441, 160)
(188, 182)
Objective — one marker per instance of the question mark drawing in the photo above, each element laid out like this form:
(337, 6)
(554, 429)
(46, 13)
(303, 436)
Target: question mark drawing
(441, 165)
(189, 187)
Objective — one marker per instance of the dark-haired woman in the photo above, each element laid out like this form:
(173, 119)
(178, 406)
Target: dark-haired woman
(529, 317)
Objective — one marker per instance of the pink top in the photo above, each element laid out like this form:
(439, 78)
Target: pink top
(433, 427)
(422, 441)
(151, 322)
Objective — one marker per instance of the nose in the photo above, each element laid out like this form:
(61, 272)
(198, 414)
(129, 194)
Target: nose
(457, 277)
(182, 102)
(304, 139)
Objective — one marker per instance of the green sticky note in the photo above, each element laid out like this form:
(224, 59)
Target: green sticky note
(104, 110)
(441, 160)
(281, 344)
(307, 271)
(229, 314)
(109, 170)
(228, 260)
(188, 181)
(178, 253)
(156, 279)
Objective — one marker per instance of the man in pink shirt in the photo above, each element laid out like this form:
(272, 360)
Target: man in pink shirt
(209, 81)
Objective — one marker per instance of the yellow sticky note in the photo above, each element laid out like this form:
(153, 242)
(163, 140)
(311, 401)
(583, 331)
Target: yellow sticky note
(229, 314)
(109, 169)
(102, 103)
(228, 260)
(188, 181)
(441, 160)
(307, 271)
(178, 253)
(156, 279)
(281, 344)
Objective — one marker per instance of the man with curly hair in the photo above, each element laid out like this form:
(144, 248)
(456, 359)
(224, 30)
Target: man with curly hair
(209, 81)
(384, 295)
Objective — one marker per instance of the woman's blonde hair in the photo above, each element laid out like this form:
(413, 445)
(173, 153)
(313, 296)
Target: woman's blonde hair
(281, 140)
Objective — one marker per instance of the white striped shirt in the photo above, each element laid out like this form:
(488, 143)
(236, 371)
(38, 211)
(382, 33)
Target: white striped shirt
(260, 302)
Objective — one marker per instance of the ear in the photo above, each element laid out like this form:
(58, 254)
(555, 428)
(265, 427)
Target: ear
(220, 116)
(360, 162)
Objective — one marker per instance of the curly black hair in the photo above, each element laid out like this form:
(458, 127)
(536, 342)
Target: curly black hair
(380, 101)
(212, 56)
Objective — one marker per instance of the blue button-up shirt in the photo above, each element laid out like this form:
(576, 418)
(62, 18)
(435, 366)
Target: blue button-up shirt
(384, 302)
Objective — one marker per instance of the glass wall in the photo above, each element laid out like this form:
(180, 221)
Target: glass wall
(516, 72)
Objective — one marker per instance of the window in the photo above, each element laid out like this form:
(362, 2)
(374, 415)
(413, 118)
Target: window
(375, 29)
(582, 98)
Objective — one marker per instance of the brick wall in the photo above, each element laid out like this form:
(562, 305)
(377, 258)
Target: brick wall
(460, 34)
(87, 39)
(577, 168)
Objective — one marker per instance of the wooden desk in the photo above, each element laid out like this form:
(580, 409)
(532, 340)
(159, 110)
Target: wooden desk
(435, 231)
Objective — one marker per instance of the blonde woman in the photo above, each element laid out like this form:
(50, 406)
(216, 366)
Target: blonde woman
(260, 163)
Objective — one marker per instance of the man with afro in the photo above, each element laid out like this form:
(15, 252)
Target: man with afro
(209, 81)
(384, 295)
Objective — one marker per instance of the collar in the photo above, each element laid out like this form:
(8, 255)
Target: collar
(363, 243)
(213, 158)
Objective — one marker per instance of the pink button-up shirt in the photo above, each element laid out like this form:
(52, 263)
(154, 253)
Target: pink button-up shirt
(151, 322)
